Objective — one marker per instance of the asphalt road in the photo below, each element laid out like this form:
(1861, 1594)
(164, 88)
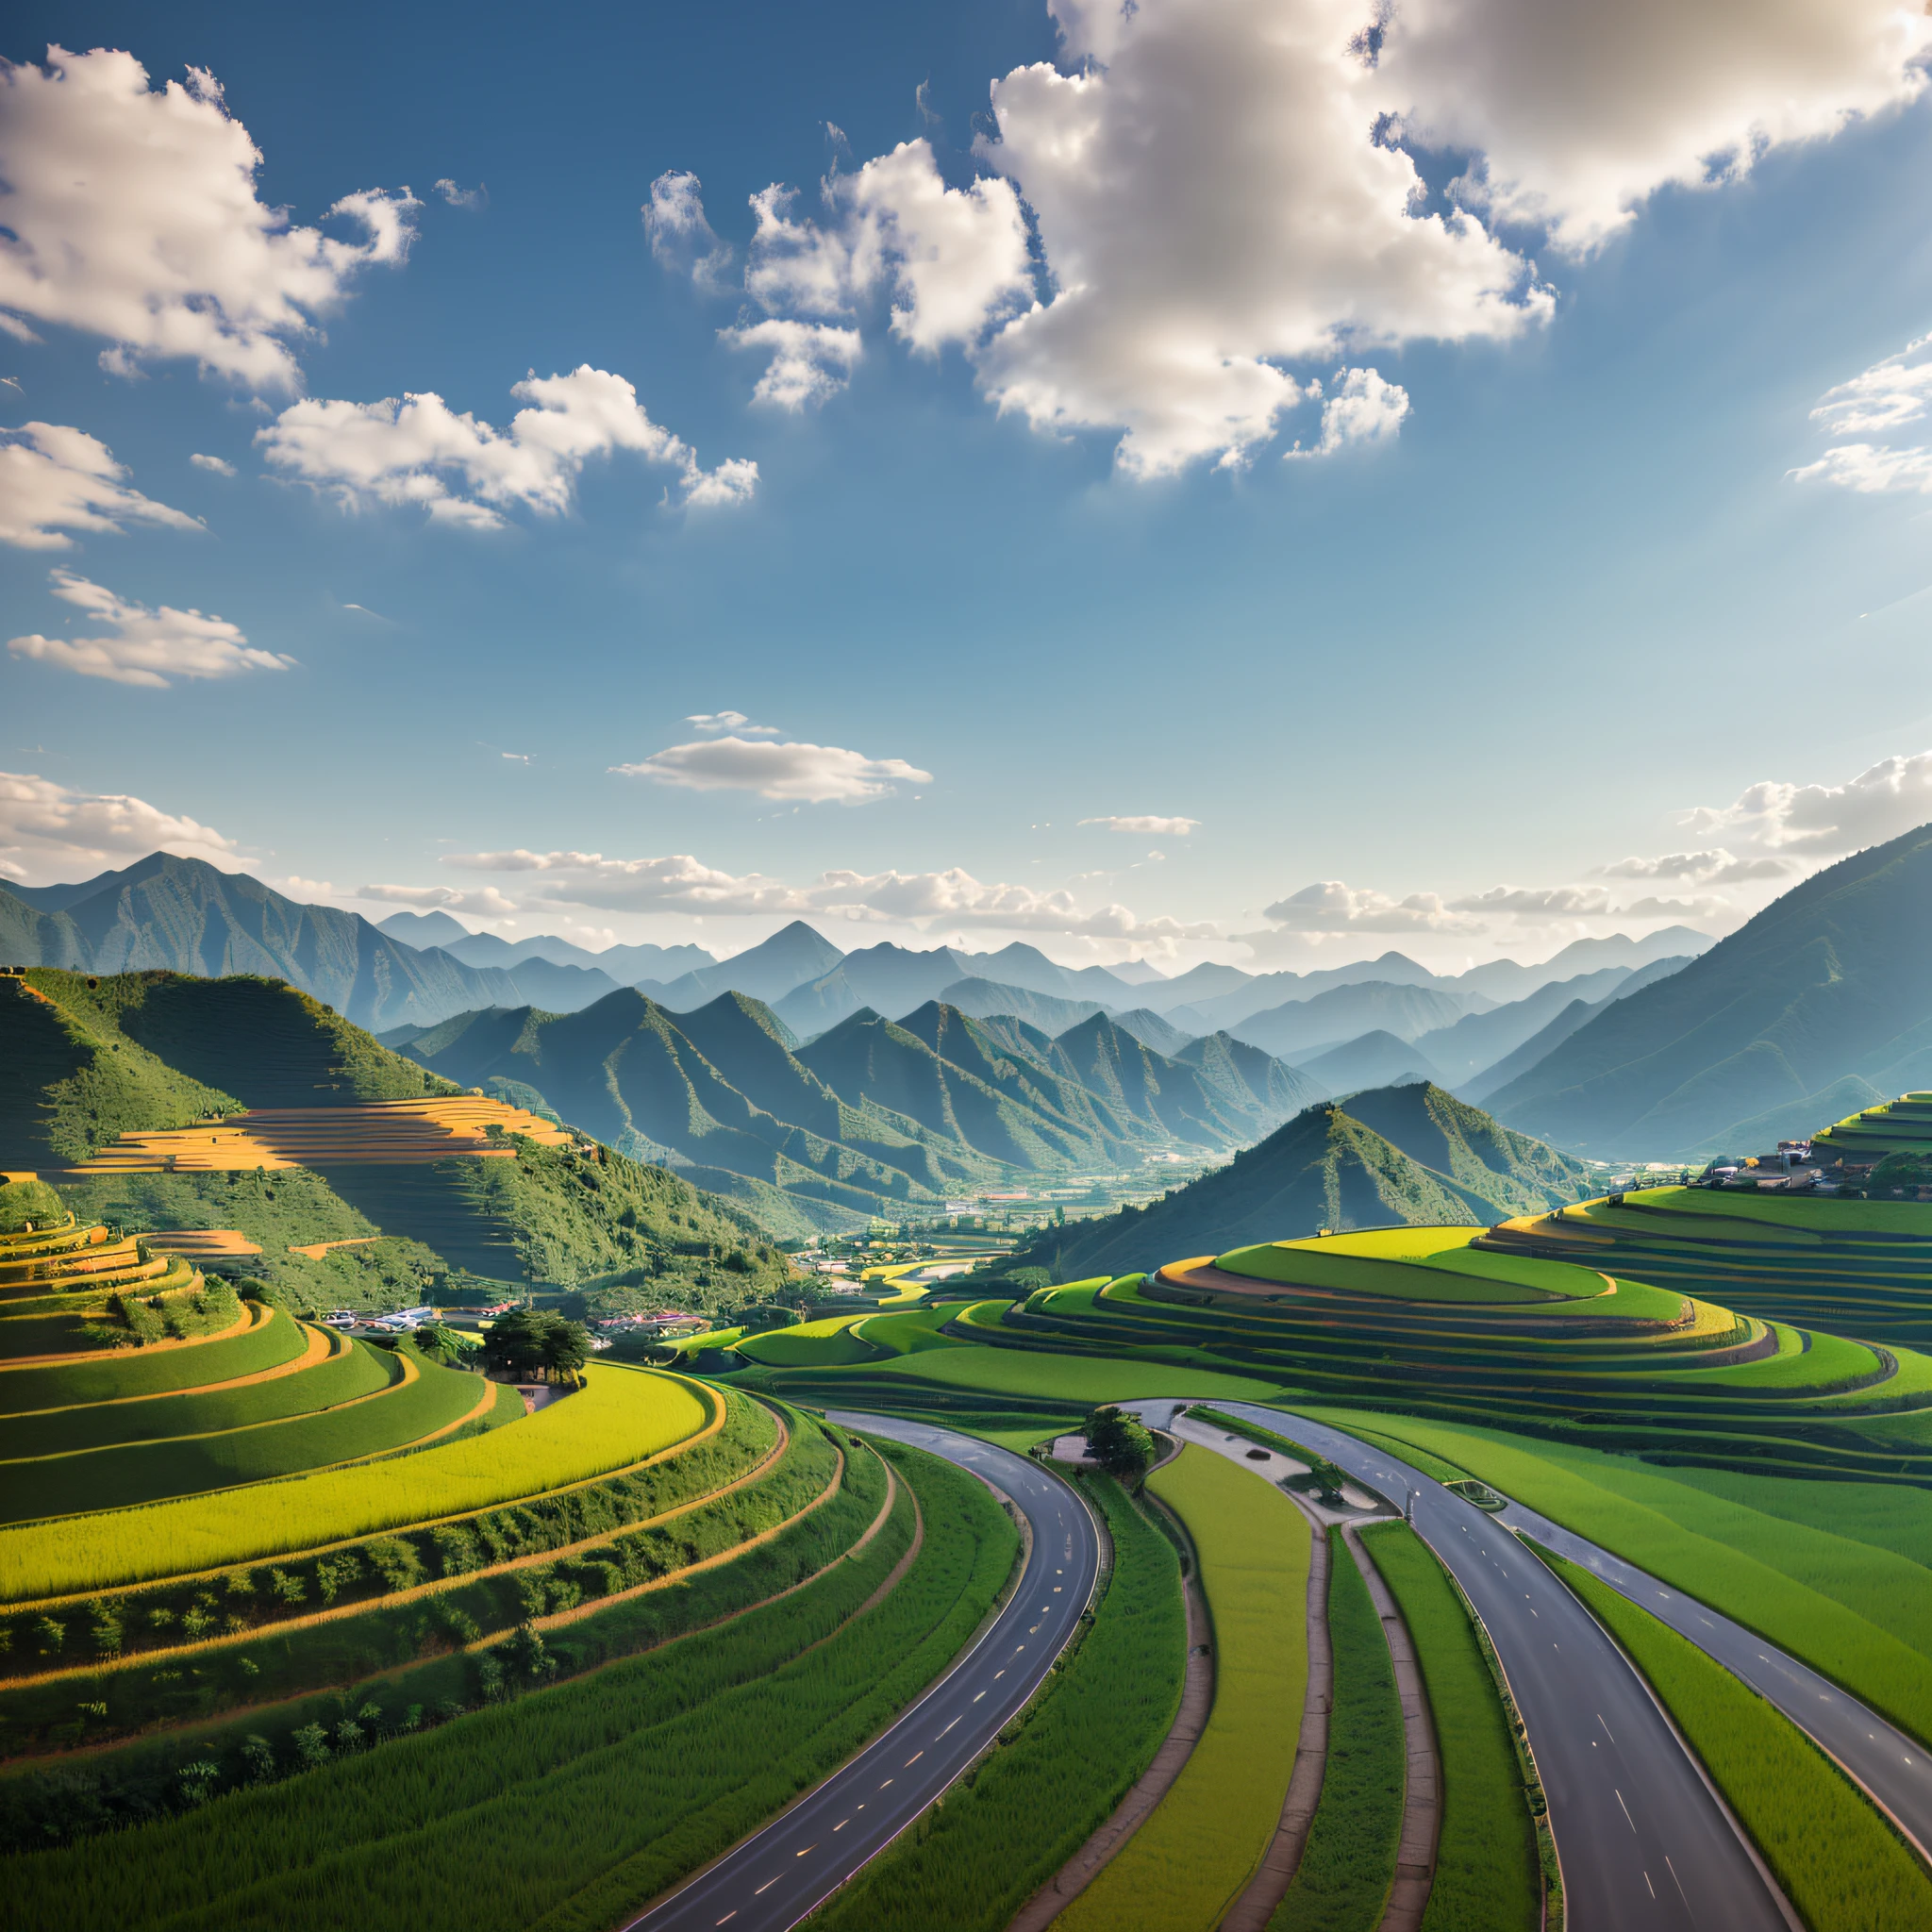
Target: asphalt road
(778, 1875)
(1895, 1769)
(1643, 1844)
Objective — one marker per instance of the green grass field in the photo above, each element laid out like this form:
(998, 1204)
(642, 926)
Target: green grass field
(1196, 1852)
(828, 1343)
(1485, 1863)
(1348, 1865)
(1056, 1776)
(1076, 1378)
(621, 1416)
(608, 1789)
(273, 1340)
(416, 1403)
(1837, 1861)
(1854, 1609)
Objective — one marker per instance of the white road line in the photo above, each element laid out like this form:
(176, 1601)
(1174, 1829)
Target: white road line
(1627, 1819)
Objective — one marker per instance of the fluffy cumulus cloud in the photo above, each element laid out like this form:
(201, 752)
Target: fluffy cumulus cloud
(1893, 394)
(808, 774)
(1205, 202)
(1826, 822)
(215, 466)
(142, 646)
(131, 212)
(950, 899)
(1715, 867)
(681, 238)
(1332, 907)
(731, 720)
(1166, 828)
(1538, 902)
(486, 902)
(809, 361)
(51, 832)
(54, 479)
(1578, 114)
(461, 470)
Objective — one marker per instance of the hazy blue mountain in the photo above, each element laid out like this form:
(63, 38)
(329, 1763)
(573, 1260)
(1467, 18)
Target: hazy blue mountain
(1375, 1060)
(888, 978)
(1150, 1029)
(1466, 1046)
(767, 972)
(983, 999)
(1207, 1014)
(424, 929)
(1827, 983)
(1298, 1028)
(1504, 980)
(187, 916)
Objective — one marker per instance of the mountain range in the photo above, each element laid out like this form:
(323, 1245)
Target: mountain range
(1818, 1006)
(1409, 1153)
(873, 1116)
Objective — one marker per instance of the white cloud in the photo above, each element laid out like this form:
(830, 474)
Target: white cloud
(215, 465)
(463, 471)
(50, 831)
(1828, 821)
(476, 197)
(142, 646)
(1214, 204)
(1715, 867)
(953, 898)
(1893, 393)
(53, 478)
(132, 214)
(1333, 907)
(488, 903)
(1362, 408)
(731, 720)
(681, 238)
(1579, 113)
(811, 774)
(811, 360)
(1172, 829)
(1538, 902)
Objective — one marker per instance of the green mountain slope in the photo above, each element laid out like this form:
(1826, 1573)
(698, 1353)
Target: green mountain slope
(1412, 1154)
(182, 915)
(1496, 1171)
(1323, 1169)
(1825, 984)
(71, 1081)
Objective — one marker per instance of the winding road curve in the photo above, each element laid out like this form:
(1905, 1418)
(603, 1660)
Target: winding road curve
(772, 1879)
(1645, 1847)
(1895, 1769)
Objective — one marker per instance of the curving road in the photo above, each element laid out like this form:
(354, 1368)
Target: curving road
(1895, 1769)
(774, 1878)
(1644, 1845)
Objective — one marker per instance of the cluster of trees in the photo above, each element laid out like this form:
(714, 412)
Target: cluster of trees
(1119, 1443)
(529, 1343)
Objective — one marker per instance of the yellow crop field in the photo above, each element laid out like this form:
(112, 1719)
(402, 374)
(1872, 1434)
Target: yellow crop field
(382, 1131)
(620, 1416)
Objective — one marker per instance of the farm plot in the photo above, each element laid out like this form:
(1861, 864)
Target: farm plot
(1195, 1854)
(621, 1416)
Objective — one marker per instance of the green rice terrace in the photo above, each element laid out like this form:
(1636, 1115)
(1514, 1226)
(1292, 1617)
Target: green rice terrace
(294, 1625)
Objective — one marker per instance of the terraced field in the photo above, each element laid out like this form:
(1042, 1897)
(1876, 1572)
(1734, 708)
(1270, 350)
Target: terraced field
(1850, 1267)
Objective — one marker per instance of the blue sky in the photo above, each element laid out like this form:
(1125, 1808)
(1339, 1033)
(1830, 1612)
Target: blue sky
(1459, 684)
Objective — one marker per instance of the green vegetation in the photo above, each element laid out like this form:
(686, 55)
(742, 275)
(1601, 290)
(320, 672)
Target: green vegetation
(1837, 1861)
(1856, 1267)
(1324, 1477)
(1486, 1862)
(1823, 992)
(421, 1399)
(621, 1416)
(611, 1787)
(1061, 1768)
(73, 1081)
(1121, 1443)
(1194, 1855)
(28, 1201)
(272, 1339)
(1348, 1865)
(1852, 1609)
(634, 1589)
(111, 1633)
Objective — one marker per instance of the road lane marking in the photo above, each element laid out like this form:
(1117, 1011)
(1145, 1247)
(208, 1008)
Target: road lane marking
(1627, 1819)
(1652, 1889)
(1608, 1732)
(842, 1825)
(731, 1914)
(1676, 1881)
(812, 1847)
(912, 1761)
(948, 1728)
(977, 1695)
(765, 1887)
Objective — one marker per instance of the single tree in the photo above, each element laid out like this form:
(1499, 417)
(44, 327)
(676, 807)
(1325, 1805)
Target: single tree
(1119, 1443)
